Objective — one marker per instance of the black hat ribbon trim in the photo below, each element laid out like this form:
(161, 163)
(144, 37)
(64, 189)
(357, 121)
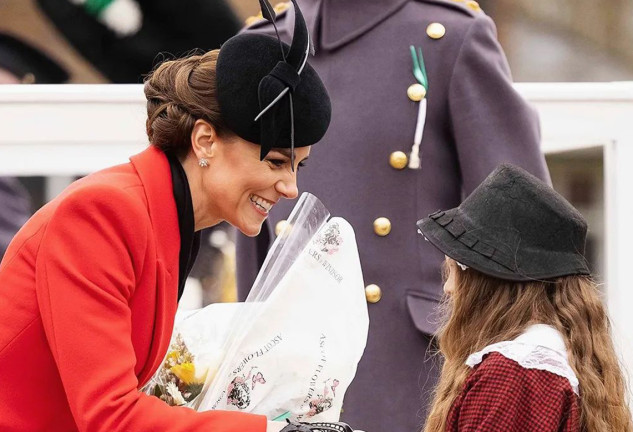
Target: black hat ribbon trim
(282, 80)
(459, 232)
(286, 74)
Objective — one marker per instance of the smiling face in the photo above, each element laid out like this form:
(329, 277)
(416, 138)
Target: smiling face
(247, 188)
(236, 186)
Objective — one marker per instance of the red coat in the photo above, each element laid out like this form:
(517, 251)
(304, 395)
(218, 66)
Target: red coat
(88, 289)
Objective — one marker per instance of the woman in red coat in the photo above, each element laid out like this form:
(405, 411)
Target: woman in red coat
(89, 286)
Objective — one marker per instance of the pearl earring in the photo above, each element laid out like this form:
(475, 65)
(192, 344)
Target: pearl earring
(203, 162)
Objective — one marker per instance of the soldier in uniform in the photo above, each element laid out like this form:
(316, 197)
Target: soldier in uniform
(423, 109)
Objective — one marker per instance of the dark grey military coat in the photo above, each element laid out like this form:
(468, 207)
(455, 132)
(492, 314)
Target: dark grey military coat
(475, 121)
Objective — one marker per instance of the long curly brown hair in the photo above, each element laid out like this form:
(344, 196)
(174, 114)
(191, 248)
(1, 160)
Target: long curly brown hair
(501, 310)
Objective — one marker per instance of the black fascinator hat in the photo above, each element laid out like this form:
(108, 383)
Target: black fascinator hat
(513, 227)
(267, 91)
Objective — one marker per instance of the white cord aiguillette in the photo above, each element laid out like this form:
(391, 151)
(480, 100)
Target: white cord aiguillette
(414, 159)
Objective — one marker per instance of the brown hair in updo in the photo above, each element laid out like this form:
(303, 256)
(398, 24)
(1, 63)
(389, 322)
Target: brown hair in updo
(178, 93)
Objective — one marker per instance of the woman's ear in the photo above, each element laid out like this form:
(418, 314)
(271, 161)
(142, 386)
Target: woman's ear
(203, 137)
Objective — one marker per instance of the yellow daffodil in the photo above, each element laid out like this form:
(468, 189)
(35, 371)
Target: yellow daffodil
(185, 372)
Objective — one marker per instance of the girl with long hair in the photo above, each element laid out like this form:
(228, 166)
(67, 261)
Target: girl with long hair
(526, 339)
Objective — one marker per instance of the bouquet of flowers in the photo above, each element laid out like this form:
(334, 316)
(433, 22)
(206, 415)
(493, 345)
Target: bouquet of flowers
(194, 354)
(292, 348)
(177, 381)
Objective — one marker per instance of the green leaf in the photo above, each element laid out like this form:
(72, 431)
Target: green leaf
(419, 69)
(156, 391)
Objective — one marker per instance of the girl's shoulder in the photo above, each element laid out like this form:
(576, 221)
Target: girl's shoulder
(537, 355)
(525, 384)
(503, 396)
(500, 376)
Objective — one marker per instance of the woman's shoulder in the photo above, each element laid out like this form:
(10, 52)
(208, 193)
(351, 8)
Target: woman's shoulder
(116, 186)
(117, 178)
(112, 197)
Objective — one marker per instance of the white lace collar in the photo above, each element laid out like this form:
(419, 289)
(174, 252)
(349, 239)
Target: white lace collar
(540, 346)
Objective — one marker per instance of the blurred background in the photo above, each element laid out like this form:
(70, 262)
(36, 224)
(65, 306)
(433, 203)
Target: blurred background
(561, 40)
(555, 41)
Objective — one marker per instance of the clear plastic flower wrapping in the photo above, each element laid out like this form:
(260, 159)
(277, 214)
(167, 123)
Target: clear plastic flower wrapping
(292, 348)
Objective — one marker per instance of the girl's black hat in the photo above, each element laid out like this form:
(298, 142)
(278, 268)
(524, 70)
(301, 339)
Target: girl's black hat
(267, 91)
(513, 227)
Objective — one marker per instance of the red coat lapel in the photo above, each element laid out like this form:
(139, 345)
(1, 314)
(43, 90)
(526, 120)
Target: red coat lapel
(153, 170)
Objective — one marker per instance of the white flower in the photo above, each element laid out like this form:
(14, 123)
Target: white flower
(123, 17)
(173, 391)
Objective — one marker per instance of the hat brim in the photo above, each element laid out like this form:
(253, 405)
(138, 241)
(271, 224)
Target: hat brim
(446, 243)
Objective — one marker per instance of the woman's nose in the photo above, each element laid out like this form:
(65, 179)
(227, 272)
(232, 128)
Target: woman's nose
(288, 187)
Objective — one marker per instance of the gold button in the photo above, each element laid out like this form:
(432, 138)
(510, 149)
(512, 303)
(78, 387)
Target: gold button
(473, 5)
(281, 226)
(373, 293)
(281, 7)
(436, 30)
(398, 160)
(416, 92)
(382, 226)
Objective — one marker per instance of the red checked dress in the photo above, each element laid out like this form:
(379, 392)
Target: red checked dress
(524, 385)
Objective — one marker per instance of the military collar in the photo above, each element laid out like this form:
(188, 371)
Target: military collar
(342, 21)
(311, 14)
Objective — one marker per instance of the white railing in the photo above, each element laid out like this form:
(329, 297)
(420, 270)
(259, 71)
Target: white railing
(69, 130)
